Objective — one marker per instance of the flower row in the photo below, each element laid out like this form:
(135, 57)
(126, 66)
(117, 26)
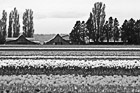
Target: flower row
(66, 63)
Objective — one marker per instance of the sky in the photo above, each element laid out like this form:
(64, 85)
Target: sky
(59, 16)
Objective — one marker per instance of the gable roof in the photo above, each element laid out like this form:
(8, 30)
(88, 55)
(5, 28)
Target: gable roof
(20, 40)
(15, 38)
(47, 37)
(57, 39)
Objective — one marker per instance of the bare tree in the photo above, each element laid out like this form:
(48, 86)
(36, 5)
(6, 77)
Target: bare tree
(28, 29)
(14, 25)
(3, 27)
(98, 19)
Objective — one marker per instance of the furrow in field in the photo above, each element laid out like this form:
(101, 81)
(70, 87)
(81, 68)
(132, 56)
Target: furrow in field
(66, 49)
(70, 57)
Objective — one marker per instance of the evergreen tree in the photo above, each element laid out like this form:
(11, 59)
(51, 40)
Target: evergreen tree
(28, 29)
(106, 31)
(137, 32)
(124, 34)
(75, 33)
(131, 31)
(82, 32)
(90, 28)
(128, 31)
(110, 28)
(116, 32)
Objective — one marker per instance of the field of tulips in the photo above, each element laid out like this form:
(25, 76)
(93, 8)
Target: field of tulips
(69, 76)
(70, 71)
(69, 84)
(69, 66)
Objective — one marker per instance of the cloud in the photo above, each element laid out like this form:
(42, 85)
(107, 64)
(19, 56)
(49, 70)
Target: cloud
(69, 14)
(40, 16)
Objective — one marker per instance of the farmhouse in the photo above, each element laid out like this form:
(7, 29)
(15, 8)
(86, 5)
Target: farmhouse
(57, 40)
(21, 40)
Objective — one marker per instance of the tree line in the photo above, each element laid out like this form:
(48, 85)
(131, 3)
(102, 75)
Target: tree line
(98, 30)
(14, 25)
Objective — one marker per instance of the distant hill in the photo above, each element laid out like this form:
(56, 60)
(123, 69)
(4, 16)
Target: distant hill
(45, 37)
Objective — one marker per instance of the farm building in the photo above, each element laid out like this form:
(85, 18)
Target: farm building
(66, 37)
(21, 40)
(57, 40)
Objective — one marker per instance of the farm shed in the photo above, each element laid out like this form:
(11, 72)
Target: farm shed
(57, 40)
(21, 40)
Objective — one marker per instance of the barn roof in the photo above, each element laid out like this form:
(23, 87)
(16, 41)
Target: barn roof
(15, 38)
(47, 37)
(20, 40)
(56, 38)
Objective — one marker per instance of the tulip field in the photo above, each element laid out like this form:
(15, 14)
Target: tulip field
(66, 71)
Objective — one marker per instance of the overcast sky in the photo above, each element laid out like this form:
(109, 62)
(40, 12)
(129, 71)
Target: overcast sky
(59, 16)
